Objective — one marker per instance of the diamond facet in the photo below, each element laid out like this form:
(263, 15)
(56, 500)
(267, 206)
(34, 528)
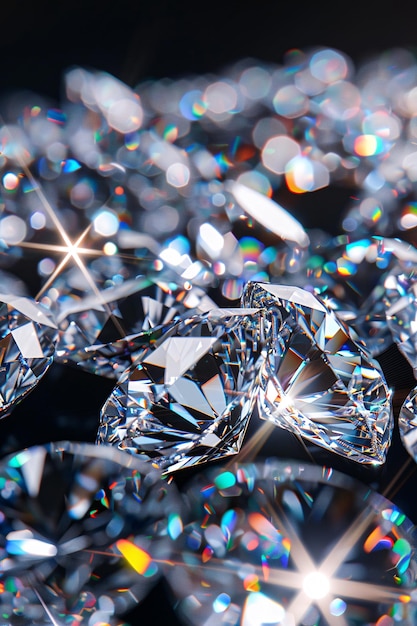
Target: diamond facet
(101, 332)
(188, 398)
(287, 543)
(401, 313)
(83, 530)
(28, 337)
(407, 423)
(316, 380)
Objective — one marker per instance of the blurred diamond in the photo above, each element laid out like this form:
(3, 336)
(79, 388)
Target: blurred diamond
(317, 381)
(28, 336)
(188, 397)
(83, 530)
(282, 543)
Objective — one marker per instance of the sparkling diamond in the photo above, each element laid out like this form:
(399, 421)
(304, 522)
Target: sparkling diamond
(317, 381)
(401, 313)
(188, 397)
(349, 274)
(407, 423)
(284, 543)
(83, 531)
(28, 336)
(102, 332)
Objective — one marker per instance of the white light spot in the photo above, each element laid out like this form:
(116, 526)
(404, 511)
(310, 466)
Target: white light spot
(12, 229)
(46, 267)
(110, 248)
(37, 220)
(316, 585)
(125, 115)
(178, 175)
(106, 223)
(10, 181)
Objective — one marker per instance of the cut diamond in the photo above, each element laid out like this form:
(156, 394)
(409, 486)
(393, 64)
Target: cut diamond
(407, 423)
(189, 396)
(316, 380)
(401, 313)
(101, 332)
(280, 543)
(83, 529)
(28, 337)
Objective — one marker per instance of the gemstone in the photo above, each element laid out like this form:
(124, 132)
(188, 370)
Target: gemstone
(83, 532)
(349, 275)
(286, 543)
(101, 332)
(407, 423)
(189, 396)
(28, 337)
(317, 380)
(401, 313)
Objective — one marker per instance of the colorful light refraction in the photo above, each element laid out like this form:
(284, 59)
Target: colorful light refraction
(281, 543)
(237, 253)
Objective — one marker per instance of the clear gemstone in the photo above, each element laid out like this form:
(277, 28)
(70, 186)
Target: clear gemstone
(188, 397)
(287, 543)
(316, 380)
(407, 423)
(28, 337)
(101, 332)
(349, 276)
(401, 313)
(83, 529)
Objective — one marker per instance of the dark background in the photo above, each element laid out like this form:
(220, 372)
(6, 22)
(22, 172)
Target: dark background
(137, 41)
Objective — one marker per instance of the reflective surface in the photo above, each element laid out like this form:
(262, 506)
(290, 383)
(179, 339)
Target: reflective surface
(28, 336)
(188, 398)
(84, 530)
(317, 379)
(288, 543)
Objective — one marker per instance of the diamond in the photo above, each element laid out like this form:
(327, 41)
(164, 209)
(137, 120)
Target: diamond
(401, 313)
(407, 423)
(28, 336)
(189, 396)
(316, 380)
(286, 543)
(101, 332)
(349, 276)
(83, 531)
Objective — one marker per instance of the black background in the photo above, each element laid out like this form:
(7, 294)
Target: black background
(137, 41)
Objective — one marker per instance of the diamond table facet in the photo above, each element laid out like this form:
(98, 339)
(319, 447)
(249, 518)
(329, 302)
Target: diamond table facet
(189, 396)
(317, 380)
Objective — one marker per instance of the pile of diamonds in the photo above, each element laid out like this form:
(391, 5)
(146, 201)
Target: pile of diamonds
(156, 236)
(148, 224)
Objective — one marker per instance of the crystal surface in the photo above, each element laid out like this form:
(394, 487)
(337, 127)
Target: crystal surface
(401, 313)
(317, 380)
(188, 397)
(101, 332)
(349, 274)
(288, 543)
(407, 423)
(83, 531)
(28, 336)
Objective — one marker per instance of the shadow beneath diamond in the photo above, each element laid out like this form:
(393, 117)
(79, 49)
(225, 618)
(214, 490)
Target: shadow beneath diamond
(65, 405)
